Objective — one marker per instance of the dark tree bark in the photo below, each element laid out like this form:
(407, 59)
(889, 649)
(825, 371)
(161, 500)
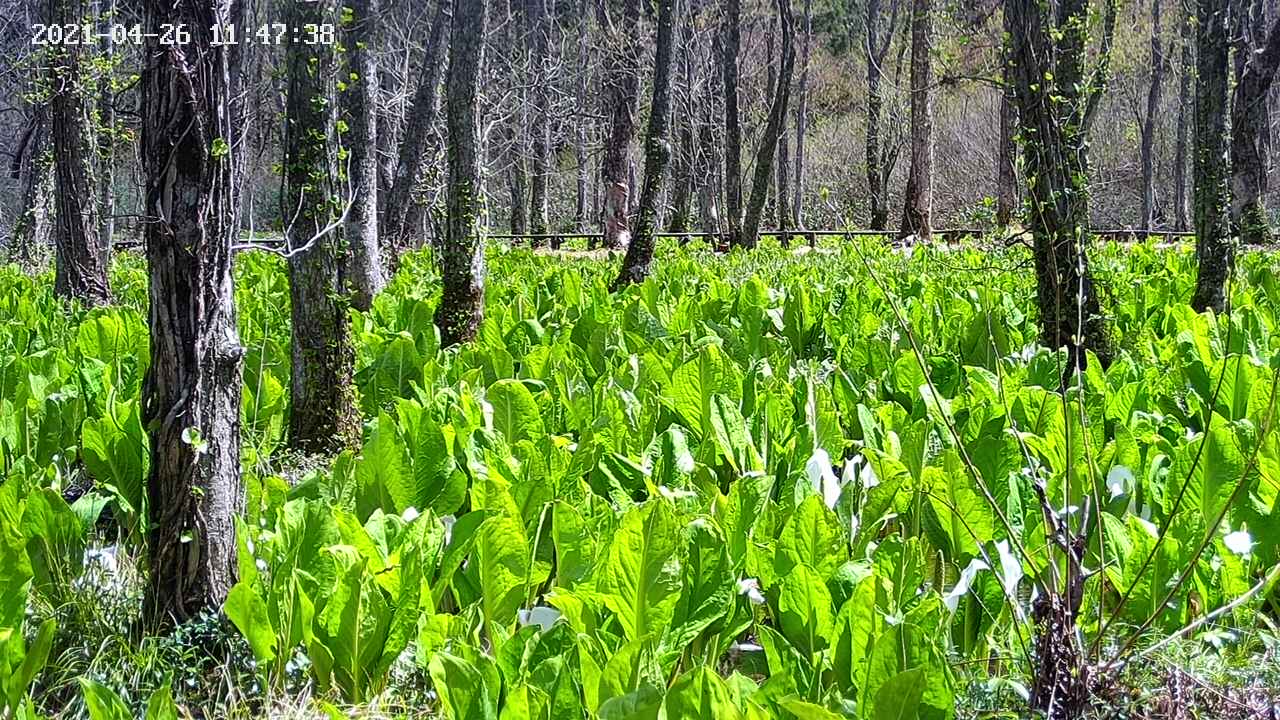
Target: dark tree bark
(1006, 171)
(772, 130)
(1186, 71)
(917, 207)
(404, 207)
(1248, 118)
(730, 46)
(878, 169)
(1147, 152)
(82, 258)
(687, 118)
(363, 261)
(538, 37)
(1214, 248)
(657, 153)
(191, 394)
(802, 117)
(1053, 118)
(782, 183)
(462, 266)
(323, 415)
(621, 90)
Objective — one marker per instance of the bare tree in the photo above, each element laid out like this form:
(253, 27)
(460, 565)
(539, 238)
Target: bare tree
(621, 90)
(917, 207)
(878, 161)
(538, 38)
(802, 116)
(363, 261)
(657, 153)
(1158, 64)
(773, 128)
(82, 258)
(323, 415)
(730, 42)
(1186, 70)
(404, 207)
(1248, 118)
(191, 394)
(462, 267)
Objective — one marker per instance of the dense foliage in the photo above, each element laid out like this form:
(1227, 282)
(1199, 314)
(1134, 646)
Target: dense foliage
(764, 485)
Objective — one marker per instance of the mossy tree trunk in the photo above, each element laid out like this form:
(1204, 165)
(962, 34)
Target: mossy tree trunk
(1147, 151)
(657, 154)
(363, 270)
(323, 414)
(191, 394)
(462, 266)
(1249, 117)
(1215, 249)
(1186, 69)
(81, 255)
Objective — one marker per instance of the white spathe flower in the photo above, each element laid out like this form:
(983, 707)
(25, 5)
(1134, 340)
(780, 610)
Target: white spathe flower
(1120, 481)
(448, 522)
(952, 599)
(822, 478)
(540, 615)
(1010, 570)
(751, 588)
(867, 477)
(1239, 542)
(410, 514)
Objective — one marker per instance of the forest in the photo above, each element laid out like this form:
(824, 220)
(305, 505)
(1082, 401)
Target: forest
(639, 359)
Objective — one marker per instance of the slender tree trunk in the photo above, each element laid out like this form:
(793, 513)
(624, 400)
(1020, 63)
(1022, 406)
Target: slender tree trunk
(622, 88)
(462, 266)
(782, 184)
(1248, 117)
(581, 119)
(1147, 151)
(917, 209)
(709, 167)
(730, 46)
(538, 39)
(772, 130)
(802, 118)
(106, 137)
(1186, 71)
(518, 188)
(323, 415)
(191, 394)
(82, 259)
(876, 51)
(1215, 250)
(657, 153)
(404, 205)
(363, 262)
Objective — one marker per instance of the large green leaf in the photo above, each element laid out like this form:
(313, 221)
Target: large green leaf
(641, 580)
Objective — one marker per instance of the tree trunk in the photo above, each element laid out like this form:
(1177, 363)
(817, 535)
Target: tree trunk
(404, 206)
(106, 137)
(82, 259)
(1147, 151)
(622, 88)
(802, 118)
(1185, 72)
(581, 120)
(657, 153)
(1051, 115)
(1214, 248)
(782, 183)
(538, 38)
(772, 130)
(32, 167)
(323, 415)
(462, 266)
(191, 394)
(730, 46)
(917, 208)
(363, 262)
(1248, 117)
(876, 51)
